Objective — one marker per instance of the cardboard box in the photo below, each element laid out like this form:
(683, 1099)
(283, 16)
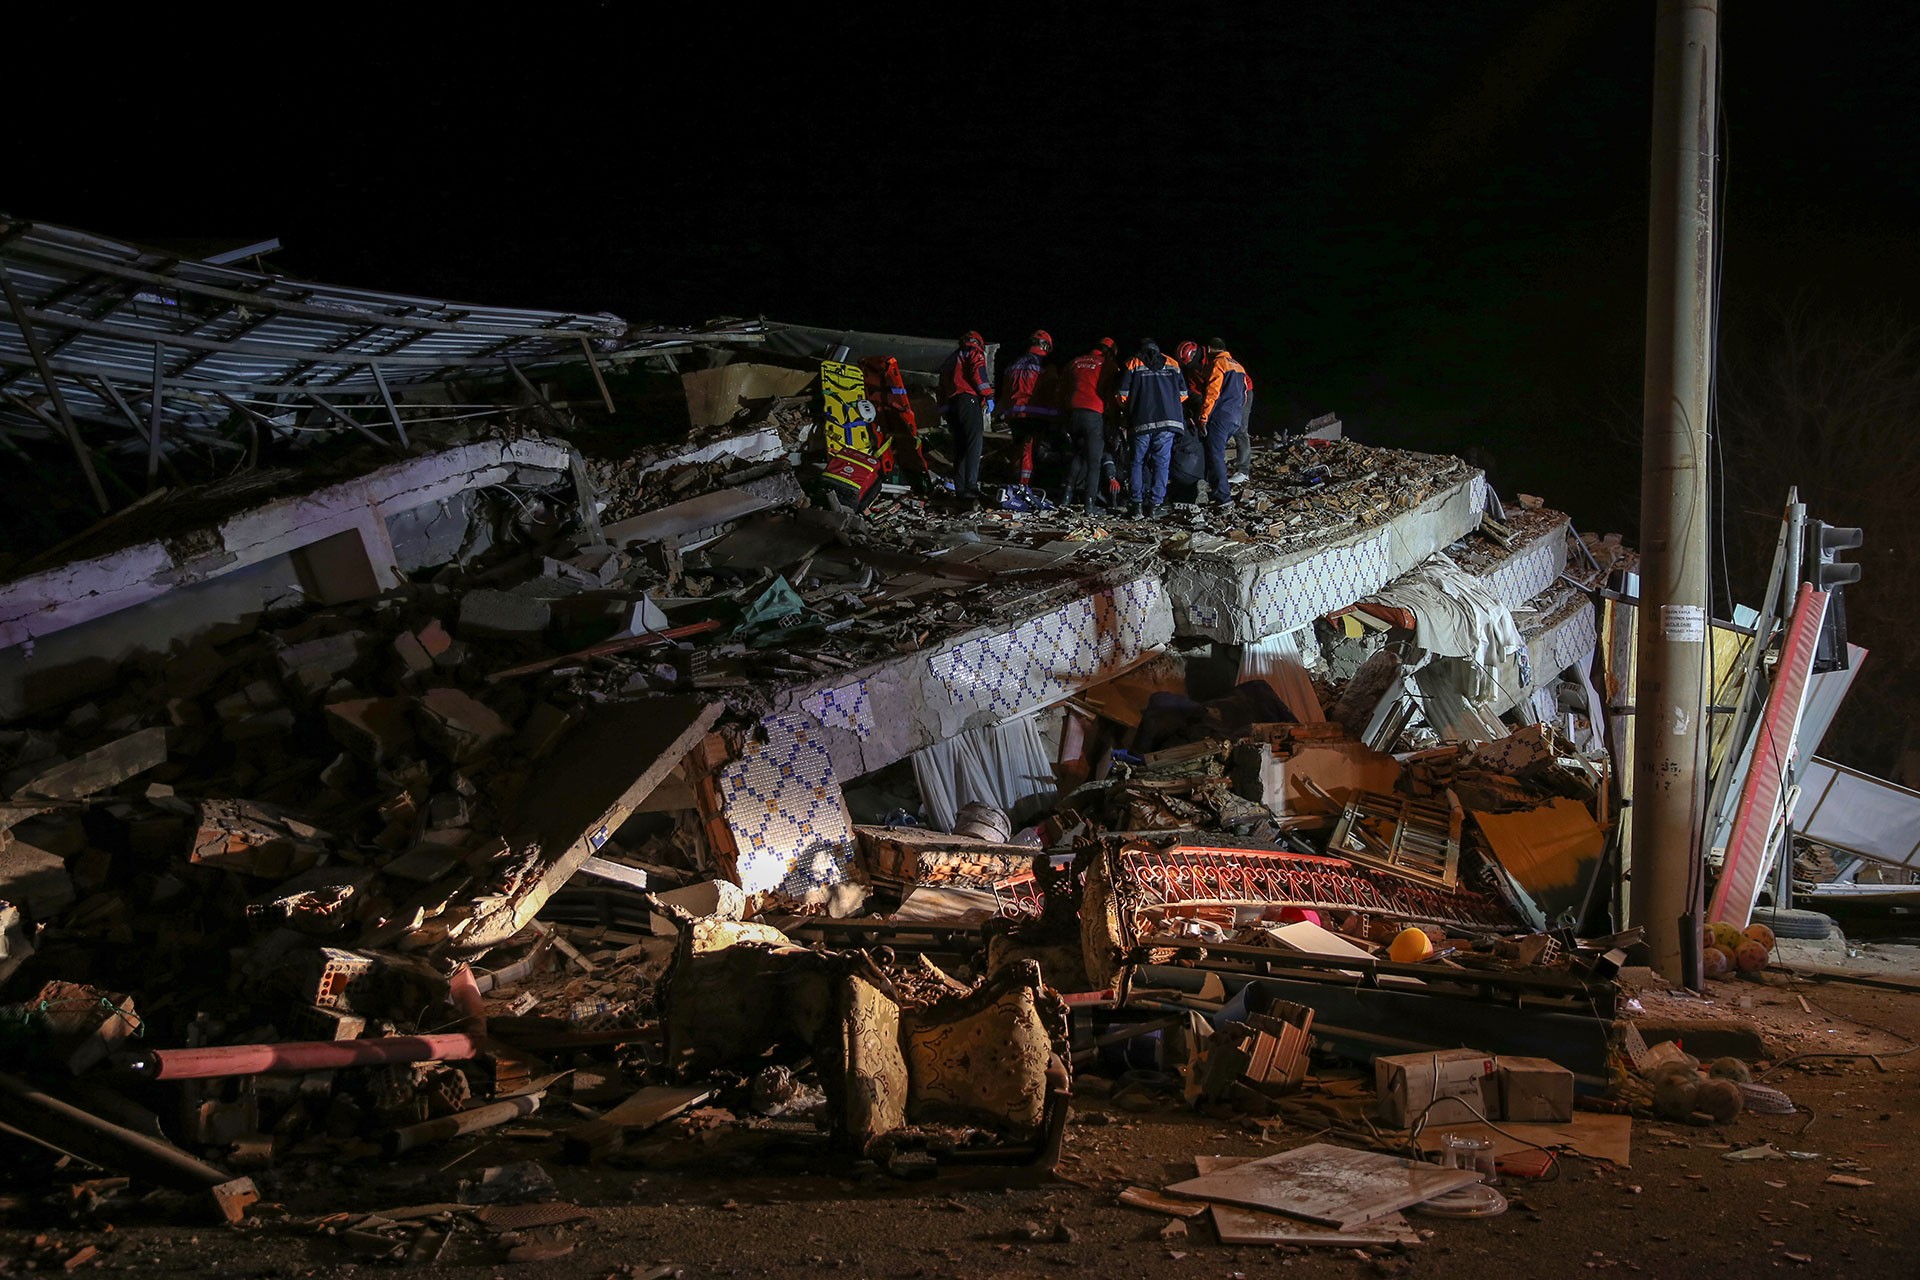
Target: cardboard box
(1536, 1089)
(1456, 1084)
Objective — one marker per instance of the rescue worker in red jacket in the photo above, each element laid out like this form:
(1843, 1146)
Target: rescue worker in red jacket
(1026, 401)
(1090, 380)
(1152, 393)
(966, 399)
(1223, 415)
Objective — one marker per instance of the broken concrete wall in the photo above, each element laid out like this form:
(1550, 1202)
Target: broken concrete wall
(437, 532)
(1533, 566)
(869, 719)
(69, 624)
(717, 396)
(1566, 637)
(66, 595)
(84, 659)
(1241, 592)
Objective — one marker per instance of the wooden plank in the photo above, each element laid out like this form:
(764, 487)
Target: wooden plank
(1589, 1133)
(393, 410)
(1333, 1186)
(650, 1106)
(1250, 1226)
(153, 427)
(606, 396)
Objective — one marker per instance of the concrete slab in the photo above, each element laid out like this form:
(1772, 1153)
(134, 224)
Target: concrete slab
(65, 595)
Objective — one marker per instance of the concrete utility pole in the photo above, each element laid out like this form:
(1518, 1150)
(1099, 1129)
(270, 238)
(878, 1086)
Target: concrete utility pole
(1670, 731)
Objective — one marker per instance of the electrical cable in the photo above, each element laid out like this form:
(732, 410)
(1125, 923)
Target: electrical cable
(1420, 1123)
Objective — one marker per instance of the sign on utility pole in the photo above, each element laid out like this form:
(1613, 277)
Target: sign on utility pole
(1670, 731)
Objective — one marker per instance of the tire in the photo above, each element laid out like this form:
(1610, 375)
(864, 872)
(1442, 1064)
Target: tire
(1795, 924)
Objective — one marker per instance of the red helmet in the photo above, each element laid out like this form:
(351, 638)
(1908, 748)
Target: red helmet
(1040, 338)
(1107, 345)
(1187, 352)
(972, 338)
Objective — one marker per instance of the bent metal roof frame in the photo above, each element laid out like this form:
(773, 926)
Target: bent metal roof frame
(91, 328)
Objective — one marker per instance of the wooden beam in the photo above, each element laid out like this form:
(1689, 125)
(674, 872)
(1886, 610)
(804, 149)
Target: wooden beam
(606, 396)
(111, 394)
(47, 380)
(361, 427)
(393, 410)
(153, 427)
(254, 422)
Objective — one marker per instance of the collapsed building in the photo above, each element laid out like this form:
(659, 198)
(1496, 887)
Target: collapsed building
(529, 674)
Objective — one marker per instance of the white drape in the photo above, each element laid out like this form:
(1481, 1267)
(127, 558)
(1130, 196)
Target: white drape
(1001, 764)
(1281, 661)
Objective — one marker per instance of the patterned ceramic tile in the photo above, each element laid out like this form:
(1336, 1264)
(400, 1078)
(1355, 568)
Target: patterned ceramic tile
(1523, 576)
(782, 801)
(1290, 597)
(1203, 616)
(1477, 492)
(1572, 640)
(1049, 657)
(847, 707)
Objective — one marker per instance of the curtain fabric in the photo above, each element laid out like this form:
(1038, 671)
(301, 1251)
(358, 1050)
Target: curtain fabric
(1281, 662)
(1001, 764)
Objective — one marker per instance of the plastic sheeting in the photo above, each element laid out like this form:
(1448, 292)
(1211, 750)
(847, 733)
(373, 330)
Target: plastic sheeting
(1001, 764)
(1477, 653)
(1861, 814)
(1280, 661)
(1458, 617)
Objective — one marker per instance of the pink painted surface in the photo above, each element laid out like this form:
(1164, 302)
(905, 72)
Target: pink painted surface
(305, 1055)
(1763, 792)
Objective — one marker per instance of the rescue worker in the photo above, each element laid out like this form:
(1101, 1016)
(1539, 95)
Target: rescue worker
(1223, 415)
(966, 399)
(1192, 358)
(1151, 393)
(1026, 402)
(1090, 379)
(1193, 362)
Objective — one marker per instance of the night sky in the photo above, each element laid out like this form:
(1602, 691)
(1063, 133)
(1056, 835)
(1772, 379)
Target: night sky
(1428, 218)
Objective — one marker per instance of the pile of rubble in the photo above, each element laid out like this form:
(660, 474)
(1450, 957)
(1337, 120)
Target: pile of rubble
(454, 860)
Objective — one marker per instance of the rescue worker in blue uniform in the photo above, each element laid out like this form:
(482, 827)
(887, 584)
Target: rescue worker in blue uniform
(1152, 393)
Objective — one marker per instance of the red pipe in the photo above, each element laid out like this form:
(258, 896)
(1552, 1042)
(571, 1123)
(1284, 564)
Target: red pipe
(302, 1055)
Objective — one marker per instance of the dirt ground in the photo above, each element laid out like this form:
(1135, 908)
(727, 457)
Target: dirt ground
(1681, 1209)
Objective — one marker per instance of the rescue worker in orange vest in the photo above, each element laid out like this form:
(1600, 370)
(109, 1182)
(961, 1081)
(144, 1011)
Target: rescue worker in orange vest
(1193, 362)
(1026, 402)
(965, 396)
(1223, 415)
(1090, 380)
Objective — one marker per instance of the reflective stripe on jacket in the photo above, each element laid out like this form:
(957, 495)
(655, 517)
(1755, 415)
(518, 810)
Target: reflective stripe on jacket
(1019, 384)
(1151, 390)
(1229, 392)
(964, 373)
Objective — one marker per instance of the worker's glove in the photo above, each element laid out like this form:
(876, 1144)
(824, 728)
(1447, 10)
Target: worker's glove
(989, 406)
